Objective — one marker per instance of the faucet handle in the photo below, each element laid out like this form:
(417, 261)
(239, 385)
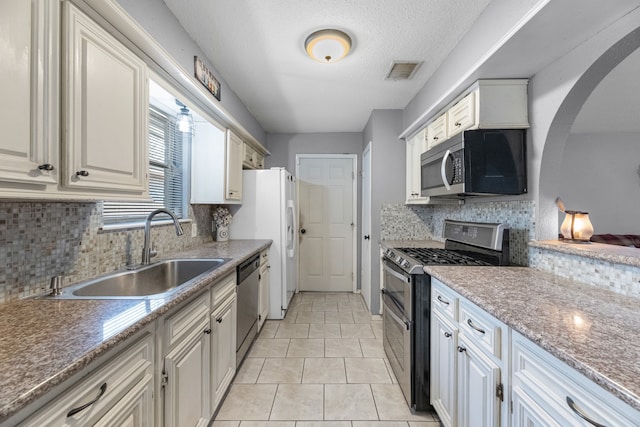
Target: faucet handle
(153, 251)
(56, 285)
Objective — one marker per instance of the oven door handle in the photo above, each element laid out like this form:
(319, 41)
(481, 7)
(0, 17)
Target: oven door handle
(395, 274)
(443, 170)
(398, 320)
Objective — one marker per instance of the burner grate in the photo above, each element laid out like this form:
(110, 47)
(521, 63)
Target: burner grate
(435, 256)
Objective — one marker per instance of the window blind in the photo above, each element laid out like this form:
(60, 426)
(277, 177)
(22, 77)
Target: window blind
(166, 173)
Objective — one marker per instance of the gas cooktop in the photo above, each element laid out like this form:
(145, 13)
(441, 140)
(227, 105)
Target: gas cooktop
(466, 244)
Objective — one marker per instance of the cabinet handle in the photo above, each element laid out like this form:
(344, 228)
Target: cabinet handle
(103, 389)
(457, 124)
(82, 173)
(461, 349)
(447, 334)
(435, 138)
(219, 320)
(207, 331)
(444, 301)
(470, 323)
(581, 414)
(46, 167)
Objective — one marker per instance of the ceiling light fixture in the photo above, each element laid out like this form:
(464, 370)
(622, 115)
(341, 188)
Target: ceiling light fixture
(184, 120)
(328, 46)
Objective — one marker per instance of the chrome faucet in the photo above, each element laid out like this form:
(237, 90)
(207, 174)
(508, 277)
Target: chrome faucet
(147, 253)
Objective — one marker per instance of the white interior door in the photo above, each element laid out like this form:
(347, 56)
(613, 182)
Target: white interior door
(365, 277)
(327, 222)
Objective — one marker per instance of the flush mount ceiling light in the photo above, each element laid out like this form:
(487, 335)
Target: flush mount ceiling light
(328, 45)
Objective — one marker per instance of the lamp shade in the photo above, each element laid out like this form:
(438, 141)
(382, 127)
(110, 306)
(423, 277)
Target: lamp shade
(184, 120)
(328, 46)
(576, 226)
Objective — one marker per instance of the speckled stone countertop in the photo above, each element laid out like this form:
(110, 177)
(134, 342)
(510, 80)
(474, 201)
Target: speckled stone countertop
(591, 329)
(43, 342)
(600, 251)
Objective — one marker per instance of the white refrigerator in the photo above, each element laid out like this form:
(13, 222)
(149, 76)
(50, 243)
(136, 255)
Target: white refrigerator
(269, 211)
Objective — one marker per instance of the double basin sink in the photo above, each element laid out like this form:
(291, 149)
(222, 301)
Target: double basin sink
(152, 281)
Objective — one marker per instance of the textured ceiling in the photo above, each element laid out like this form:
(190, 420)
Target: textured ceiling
(258, 48)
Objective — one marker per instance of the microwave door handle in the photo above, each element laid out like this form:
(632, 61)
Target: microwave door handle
(443, 170)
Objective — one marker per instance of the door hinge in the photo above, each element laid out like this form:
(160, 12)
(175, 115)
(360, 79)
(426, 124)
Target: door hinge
(500, 392)
(259, 317)
(165, 379)
(259, 276)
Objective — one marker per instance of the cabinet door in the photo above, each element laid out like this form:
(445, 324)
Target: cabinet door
(478, 381)
(185, 385)
(28, 84)
(234, 167)
(526, 413)
(444, 337)
(263, 296)
(223, 350)
(415, 147)
(135, 409)
(462, 115)
(105, 108)
(437, 131)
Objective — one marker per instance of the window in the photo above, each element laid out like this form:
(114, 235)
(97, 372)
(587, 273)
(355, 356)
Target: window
(167, 159)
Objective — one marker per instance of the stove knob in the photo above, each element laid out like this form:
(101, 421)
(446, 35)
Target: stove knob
(399, 260)
(404, 263)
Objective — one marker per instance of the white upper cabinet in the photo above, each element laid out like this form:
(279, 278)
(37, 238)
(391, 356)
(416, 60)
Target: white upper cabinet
(437, 131)
(462, 115)
(216, 165)
(415, 147)
(105, 109)
(233, 184)
(28, 84)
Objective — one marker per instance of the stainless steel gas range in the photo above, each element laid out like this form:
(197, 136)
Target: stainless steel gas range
(406, 296)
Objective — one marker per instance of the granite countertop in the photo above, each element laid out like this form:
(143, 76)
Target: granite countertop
(611, 253)
(45, 341)
(591, 329)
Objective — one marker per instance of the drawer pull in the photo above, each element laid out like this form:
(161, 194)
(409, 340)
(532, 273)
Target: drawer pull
(82, 173)
(461, 349)
(103, 389)
(219, 320)
(447, 334)
(470, 323)
(581, 414)
(46, 167)
(444, 301)
(207, 331)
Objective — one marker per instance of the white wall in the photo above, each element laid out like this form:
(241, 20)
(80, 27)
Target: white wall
(159, 22)
(599, 175)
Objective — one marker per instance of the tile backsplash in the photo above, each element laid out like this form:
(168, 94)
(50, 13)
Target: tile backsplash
(420, 222)
(39, 240)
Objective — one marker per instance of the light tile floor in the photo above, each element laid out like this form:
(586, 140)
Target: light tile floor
(321, 366)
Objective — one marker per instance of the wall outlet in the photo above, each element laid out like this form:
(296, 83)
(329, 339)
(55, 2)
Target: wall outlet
(194, 229)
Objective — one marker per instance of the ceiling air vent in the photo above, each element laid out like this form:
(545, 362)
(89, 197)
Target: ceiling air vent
(402, 70)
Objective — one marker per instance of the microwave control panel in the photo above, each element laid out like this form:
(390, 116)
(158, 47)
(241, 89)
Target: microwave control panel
(457, 173)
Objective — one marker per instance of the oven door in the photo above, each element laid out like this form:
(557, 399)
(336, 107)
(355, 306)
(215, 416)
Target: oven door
(397, 324)
(396, 334)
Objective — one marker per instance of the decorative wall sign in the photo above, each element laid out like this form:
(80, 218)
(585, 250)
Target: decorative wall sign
(206, 77)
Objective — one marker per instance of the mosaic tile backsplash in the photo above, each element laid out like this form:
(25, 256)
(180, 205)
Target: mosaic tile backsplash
(424, 222)
(41, 240)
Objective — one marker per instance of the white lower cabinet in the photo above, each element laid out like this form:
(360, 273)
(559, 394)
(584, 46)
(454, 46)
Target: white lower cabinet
(120, 392)
(479, 380)
(444, 365)
(549, 392)
(534, 390)
(263, 285)
(223, 350)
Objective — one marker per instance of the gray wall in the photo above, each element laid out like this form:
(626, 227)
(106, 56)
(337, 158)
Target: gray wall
(159, 22)
(387, 180)
(599, 175)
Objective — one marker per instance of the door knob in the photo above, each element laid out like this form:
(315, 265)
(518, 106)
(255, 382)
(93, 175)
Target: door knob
(302, 231)
(366, 237)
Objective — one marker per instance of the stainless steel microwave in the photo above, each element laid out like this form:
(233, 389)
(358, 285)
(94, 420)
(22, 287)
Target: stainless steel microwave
(482, 162)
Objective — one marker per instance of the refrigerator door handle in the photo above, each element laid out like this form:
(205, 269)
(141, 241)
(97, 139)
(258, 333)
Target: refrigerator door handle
(291, 229)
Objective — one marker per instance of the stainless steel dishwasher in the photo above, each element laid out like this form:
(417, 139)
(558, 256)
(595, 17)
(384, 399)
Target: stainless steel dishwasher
(247, 295)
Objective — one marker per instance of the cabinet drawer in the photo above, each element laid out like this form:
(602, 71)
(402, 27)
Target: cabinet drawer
(223, 290)
(444, 300)
(107, 386)
(550, 383)
(178, 325)
(264, 257)
(461, 116)
(483, 329)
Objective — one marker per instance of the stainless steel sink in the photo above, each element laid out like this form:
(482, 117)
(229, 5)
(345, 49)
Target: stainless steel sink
(154, 280)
